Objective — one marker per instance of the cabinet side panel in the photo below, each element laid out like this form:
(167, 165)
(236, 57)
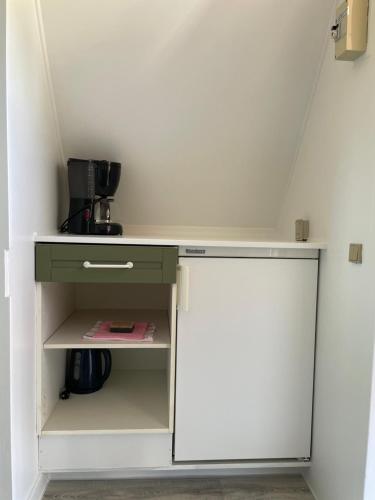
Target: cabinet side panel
(53, 381)
(56, 302)
(171, 364)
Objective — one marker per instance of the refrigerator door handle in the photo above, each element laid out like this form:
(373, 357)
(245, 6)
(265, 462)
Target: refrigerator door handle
(182, 288)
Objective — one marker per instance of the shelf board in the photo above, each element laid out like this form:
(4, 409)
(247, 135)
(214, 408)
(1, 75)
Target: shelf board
(69, 334)
(131, 401)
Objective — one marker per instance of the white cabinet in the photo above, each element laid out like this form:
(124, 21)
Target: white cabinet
(245, 359)
(129, 422)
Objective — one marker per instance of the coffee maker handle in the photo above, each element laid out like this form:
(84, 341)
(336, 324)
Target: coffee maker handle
(107, 363)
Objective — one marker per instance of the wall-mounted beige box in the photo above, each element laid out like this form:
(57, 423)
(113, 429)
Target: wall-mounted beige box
(350, 29)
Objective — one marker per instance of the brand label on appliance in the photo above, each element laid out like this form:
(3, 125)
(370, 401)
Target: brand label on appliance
(195, 251)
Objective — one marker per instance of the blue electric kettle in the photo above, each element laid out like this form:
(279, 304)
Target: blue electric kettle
(86, 370)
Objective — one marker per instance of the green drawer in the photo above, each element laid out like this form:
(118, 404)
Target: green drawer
(66, 263)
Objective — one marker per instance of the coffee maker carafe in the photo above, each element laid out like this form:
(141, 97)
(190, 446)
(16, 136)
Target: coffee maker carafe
(92, 184)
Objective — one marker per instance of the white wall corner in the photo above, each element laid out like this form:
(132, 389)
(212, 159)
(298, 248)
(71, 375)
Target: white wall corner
(61, 174)
(39, 487)
(48, 77)
(280, 222)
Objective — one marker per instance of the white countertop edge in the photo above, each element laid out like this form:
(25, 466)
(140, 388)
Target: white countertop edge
(153, 240)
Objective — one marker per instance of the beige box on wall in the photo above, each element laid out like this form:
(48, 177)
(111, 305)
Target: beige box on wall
(350, 30)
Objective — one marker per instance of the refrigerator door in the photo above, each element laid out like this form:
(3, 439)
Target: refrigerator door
(245, 359)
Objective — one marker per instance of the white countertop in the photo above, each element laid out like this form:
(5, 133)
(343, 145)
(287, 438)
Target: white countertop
(197, 237)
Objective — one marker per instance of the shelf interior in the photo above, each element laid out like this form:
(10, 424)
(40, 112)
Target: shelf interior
(138, 397)
(131, 401)
(69, 334)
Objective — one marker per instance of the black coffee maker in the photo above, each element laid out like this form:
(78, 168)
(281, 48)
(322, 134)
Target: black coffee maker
(92, 184)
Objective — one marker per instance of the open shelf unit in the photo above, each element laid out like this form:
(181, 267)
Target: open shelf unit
(138, 397)
(69, 334)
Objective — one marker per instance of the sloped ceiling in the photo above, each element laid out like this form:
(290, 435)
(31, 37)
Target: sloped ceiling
(201, 100)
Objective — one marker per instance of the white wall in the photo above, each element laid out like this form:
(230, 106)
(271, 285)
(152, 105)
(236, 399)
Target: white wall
(370, 468)
(201, 100)
(334, 186)
(5, 435)
(33, 159)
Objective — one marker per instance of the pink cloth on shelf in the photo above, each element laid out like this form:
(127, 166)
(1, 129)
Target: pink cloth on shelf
(137, 334)
(101, 331)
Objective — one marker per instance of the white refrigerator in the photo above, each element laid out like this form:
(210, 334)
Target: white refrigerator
(245, 359)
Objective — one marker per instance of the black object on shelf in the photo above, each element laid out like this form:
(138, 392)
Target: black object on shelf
(92, 184)
(86, 370)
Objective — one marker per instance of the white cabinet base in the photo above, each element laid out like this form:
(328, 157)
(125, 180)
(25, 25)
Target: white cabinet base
(187, 470)
(103, 452)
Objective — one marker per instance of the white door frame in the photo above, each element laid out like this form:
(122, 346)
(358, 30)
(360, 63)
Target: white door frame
(5, 411)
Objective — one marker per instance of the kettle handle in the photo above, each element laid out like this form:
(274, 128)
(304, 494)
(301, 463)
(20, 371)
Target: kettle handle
(107, 363)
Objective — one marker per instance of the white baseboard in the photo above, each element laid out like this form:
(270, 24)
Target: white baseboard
(168, 473)
(39, 487)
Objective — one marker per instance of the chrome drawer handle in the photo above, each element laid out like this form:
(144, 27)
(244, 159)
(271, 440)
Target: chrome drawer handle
(87, 265)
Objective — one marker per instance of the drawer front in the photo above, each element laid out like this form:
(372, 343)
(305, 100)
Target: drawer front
(72, 263)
